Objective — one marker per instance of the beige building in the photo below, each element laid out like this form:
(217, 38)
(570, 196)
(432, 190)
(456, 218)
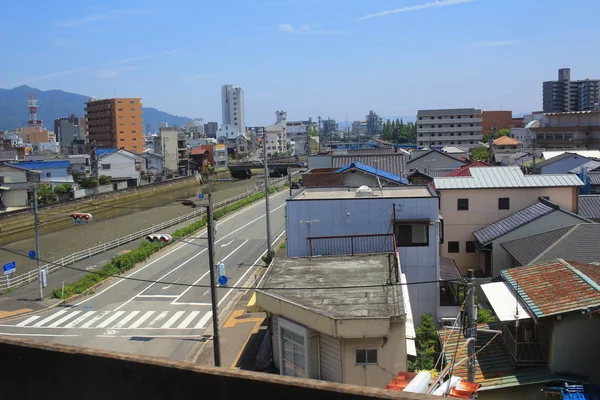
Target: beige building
(568, 130)
(115, 123)
(36, 135)
(469, 203)
(356, 336)
(460, 126)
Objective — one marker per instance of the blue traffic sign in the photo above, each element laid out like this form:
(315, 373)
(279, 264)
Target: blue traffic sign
(11, 267)
(222, 280)
(201, 196)
(32, 254)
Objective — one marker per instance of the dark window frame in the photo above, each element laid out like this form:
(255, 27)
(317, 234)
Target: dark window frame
(470, 247)
(365, 357)
(462, 204)
(399, 237)
(451, 248)
(504, 203)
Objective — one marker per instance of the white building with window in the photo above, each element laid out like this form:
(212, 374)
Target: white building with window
(232, 106)
(461, 127)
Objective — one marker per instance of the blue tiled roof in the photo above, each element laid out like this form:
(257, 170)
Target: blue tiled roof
(40, 165)
(371, 170)
(101, 152)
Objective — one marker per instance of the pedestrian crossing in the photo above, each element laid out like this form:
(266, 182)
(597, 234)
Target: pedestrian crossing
(77, 319)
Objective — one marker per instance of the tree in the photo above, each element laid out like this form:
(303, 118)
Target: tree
(502, 132)
(480, 153)
(45, 194)
(312, 132)
(104, 180)
(64, 188)
(427, 344)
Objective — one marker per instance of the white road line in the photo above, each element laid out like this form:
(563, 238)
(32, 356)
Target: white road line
(110, 319)
(80, 319)
(125, 320)
(142, 319)
(168, 286)
(96, 318)
(158, 318)
(235, 215)
(188, 319)
(203, 320)
(50, 318)
(28, 320)
(206, 273)
(172, 320)
(37, 334)
(189, 259)
(164, 296)
(190, 304)
(64, 319)
(226, 244)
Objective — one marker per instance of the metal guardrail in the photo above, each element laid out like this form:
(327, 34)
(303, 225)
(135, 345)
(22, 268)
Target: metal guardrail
(23, 279)
(351, 244)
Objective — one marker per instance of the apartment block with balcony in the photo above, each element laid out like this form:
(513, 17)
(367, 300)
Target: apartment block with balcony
(568, 130)
(566, 95)
(115, 123)
(461, 127)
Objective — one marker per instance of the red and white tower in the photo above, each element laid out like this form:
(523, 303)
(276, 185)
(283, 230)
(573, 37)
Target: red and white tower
(32, 104)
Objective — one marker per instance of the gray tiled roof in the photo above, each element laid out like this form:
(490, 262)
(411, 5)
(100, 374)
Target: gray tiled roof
(573, 243)
(389, 162)
(448, 269)
(589, 206)
(505, 177)
(508, 224)
(594, 178)
(558, 158)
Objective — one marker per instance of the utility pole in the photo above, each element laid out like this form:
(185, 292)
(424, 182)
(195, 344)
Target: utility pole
(211, 268)
(164, 139)
(36, 220)
(472, 327)
(289, 180)
(268, 217)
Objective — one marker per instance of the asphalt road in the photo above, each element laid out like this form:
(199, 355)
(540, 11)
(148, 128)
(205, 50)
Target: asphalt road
(157, 312)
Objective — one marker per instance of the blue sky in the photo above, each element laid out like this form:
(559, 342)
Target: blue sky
(308, 57)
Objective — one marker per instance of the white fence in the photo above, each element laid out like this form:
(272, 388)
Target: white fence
(23, 279)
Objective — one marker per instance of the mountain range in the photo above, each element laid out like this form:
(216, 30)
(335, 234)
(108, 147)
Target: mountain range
(55, 104)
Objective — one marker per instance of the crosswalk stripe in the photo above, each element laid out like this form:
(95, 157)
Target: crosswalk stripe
(126, 319)
(63, 319)
(28, 320)
(159, 317)
(95, 319)
(50, 318)
(79, 319)
(203, 320)
(142, 319)
(188, 319)
(172, 320)
(110, 319)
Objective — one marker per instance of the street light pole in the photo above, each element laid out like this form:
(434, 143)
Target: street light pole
(213, 290)
(36, 220)
(267, 206)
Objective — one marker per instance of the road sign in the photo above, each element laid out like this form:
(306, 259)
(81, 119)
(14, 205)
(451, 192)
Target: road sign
(32, 254)
(10, 268)
(223, 280)
(201, 196)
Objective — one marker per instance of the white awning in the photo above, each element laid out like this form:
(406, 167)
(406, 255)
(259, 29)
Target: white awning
(505, 304)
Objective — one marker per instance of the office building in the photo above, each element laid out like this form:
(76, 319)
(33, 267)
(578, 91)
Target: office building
(232, 103)
(494, 121)
(68, 130)
(210, 129)
(565, 95)
(461, 126)
(115, 123)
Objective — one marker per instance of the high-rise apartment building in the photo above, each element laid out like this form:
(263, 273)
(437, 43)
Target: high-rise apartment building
(232, 103)
(460, 127)
(68, 130)
(115, 123)
(210, 129)
(565, 95)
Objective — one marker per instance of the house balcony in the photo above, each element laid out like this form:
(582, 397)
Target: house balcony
(523, 352)
(351, 244)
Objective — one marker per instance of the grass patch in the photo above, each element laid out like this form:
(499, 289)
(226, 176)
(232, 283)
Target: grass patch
(125, 262)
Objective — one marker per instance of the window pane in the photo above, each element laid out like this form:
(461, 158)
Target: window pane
(403, 235)
(419, 233)
(299, 360)
(298, 339)
(372, 356)
(361, 356)
(288, 350)
(286, 334)
(288, 368)
(299, 373)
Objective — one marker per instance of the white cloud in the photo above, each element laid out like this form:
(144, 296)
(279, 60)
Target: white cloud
(47, 76)
(309, 30)
(106, 73)
(436, 3)
(111, 14)
(128, 60)
(497, 44)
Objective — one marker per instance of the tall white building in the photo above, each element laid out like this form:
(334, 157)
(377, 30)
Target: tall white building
(232, 104)
(455, 127)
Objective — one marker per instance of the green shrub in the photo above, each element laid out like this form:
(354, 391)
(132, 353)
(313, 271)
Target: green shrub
(104, 180)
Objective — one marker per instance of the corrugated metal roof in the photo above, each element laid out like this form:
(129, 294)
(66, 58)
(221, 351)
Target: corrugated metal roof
(555, 286)
(508, 224)
(390, 162)
(465, 170)
(594, 178)
(374, 171)
(558, 158)
(505, 177)
(494, 368)
(448, 270)
(589, 206)
(588, 166)
(584, 153)
(41, 165)
(575, 243)
(102, 151)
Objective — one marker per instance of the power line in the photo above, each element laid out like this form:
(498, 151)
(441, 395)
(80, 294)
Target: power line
(129, 278)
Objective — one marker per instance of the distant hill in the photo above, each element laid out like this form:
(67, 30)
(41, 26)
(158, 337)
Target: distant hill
(55, 104)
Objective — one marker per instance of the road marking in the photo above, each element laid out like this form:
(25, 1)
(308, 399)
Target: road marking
(50, 318)
(164, 296)
(188, 319)
(5, 314)
(235, 215)
(174, 302)
(28, 320)
(37, 334)
(172, 320)
(125, 320)
(190, 304)
(110, 319)
(142, 319)
(232, 321)
(79, 319)
(203, 320)
(63, 319)
(226, 244)
(96, 318)
(168, 286)
(158, 318)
